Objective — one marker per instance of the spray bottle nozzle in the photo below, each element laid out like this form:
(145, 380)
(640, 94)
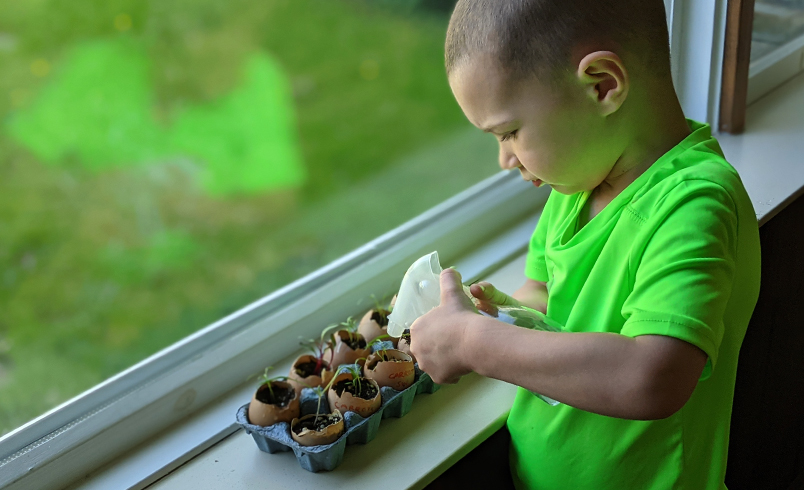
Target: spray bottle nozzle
(419, 293)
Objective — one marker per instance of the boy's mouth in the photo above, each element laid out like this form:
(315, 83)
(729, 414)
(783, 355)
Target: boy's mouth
(537, 182)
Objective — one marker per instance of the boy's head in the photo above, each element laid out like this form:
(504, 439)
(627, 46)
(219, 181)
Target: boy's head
(550, 79)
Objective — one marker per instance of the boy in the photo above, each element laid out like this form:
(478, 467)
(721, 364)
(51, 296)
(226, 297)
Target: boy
(647, 250)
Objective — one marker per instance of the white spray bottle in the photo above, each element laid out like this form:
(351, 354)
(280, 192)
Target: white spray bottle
(420, 292)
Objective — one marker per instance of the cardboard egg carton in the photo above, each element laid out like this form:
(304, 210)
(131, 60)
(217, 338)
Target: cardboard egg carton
(359, 430)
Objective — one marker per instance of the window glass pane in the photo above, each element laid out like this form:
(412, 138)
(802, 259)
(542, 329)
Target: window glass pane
(776, 23)
(166, 162)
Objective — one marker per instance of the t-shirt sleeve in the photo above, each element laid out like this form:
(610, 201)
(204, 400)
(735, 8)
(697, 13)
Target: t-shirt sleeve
(535, 263)
(683, 280)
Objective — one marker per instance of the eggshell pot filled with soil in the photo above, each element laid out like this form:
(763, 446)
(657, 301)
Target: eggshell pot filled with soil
(404, 344)
(303, 373)
(346, 397)
(349, 347)
(373, 324)
(273, 402)
(317, 430)
(392, 368)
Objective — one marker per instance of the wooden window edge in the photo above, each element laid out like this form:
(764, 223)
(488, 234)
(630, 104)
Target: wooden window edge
(736, 61)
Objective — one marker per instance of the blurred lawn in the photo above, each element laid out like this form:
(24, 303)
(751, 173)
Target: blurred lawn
(103, 265)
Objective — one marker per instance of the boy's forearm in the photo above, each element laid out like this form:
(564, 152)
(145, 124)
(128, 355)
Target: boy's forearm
(605, 373)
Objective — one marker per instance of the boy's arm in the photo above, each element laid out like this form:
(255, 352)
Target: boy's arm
(642, 378)
(647, 377)
(533, 294)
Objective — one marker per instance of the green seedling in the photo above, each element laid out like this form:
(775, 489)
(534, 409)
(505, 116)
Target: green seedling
(357, 375)
(382, 307)
(378, 342)
(268, 382)
(320, 391)
(350, 325)
(318, 349)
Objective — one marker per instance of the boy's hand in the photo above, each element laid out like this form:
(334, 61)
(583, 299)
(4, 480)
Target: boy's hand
(489, 298)
(437, 338)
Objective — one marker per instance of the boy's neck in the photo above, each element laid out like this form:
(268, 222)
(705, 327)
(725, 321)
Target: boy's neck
(657, 125)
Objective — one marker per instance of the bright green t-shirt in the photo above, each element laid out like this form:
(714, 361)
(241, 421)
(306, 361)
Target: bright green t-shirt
(676, 254)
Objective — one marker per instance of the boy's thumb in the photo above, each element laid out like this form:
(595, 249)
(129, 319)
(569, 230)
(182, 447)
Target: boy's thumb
(450, 285)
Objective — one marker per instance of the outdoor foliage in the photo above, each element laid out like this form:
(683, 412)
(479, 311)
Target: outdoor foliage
(166, 162)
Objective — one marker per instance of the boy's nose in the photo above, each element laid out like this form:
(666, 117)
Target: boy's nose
(508, 160)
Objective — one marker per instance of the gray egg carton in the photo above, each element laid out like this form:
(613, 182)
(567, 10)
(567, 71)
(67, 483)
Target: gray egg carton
(359, 430)
(385, 344)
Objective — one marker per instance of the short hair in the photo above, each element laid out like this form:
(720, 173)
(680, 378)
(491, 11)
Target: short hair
(536, 37)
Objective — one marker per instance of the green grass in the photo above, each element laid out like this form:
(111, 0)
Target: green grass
(111, 249)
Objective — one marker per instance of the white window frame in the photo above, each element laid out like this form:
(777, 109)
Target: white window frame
(697, 36)
(494, 219)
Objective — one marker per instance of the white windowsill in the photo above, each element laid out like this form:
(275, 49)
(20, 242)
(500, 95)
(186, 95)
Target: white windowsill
(769, 154)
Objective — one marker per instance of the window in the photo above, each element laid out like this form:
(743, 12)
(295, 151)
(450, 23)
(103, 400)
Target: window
(166, 163)
(777, 45)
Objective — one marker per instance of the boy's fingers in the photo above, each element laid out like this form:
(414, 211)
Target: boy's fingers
(482, 290)
(485, 291)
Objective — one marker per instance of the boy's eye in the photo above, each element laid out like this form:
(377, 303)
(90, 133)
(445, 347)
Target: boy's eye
(508, 136)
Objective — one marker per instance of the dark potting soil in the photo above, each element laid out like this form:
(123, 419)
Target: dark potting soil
(384, 357)
(356, 342)
(381, 358)
(316, 423)
(367, 390)
(406, 335)
(381, 317)
(280, 397)
(392, 360)
(306, 369)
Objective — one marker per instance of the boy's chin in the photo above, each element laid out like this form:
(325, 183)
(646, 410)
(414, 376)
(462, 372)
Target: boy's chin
(564, 189)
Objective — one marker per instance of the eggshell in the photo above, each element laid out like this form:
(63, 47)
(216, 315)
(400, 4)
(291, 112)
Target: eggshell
(310, 381)
(348, 402)
(404, 346)
(265, 414)
(343, 354)
(370, 329)
(328, 435)
(396, 375)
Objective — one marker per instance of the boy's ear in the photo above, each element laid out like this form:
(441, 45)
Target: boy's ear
(605, 80)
